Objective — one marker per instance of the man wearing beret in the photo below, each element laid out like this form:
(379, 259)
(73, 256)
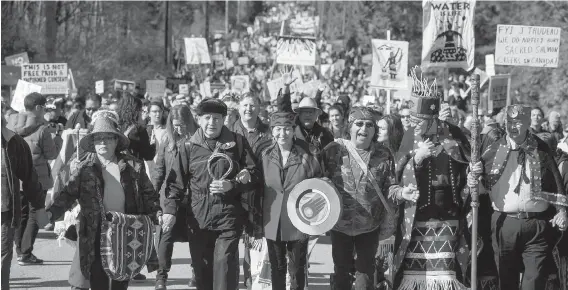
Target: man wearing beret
(215, 166)
(528, 197)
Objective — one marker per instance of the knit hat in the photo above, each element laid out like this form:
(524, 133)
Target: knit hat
(212, 106)
(282, 119)
(361, 113)
(104, 122)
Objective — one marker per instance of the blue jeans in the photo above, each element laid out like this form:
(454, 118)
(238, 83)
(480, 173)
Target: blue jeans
(7, 249)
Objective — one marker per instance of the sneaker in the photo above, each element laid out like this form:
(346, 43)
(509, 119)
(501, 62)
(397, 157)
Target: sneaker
(160, 285)
(49, 227)
(31, 260)
(139, 277)
(19, 258)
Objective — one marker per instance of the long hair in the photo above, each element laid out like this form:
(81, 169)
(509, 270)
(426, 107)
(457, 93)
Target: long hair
(161, 106)
(395, 132)
(129, 109)
(182, 113)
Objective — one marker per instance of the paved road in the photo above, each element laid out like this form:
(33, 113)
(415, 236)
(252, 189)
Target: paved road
(53, 274)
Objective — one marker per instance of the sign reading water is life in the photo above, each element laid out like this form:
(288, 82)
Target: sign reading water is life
(521, 45)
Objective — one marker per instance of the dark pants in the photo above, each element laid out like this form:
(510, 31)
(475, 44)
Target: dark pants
(165, 250)
(365, 247)
(25, 235)
(297, 254)
(215, 258)
(518, 244)
(7, 248)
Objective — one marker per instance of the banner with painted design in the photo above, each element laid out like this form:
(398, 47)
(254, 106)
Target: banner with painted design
(448, 38)
(52, 77)
(390, 64)
(120, 85)
(296, 51)
(196, 51)
(240, 84)
(17, 59)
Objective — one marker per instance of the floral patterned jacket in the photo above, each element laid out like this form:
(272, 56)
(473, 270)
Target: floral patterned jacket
(85, 185)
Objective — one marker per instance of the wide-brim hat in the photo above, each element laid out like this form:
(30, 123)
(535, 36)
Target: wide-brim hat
(103, 125)
(307, 103)
(314, 206)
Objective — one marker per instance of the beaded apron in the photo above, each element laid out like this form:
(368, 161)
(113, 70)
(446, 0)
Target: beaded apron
(430, 260)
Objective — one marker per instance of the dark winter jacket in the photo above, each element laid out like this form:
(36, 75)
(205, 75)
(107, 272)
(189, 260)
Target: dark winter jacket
(17, 166)
(79, 117)
(211, 211)
(38, 136)
(140, 143)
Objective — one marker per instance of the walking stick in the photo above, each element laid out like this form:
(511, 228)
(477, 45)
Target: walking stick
(474, 191)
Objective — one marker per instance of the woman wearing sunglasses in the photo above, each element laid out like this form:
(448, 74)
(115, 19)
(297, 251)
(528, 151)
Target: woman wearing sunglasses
(363, 171)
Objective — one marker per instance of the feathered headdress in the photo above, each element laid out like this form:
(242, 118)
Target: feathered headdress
(424, 100)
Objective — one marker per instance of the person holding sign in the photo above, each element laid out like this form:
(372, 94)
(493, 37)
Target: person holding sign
(529, 199)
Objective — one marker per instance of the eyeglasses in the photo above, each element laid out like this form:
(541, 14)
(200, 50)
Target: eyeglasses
(366, 124)
(91, 109)
(404, 116)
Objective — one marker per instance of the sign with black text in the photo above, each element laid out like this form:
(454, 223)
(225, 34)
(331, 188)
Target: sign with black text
(17, 59)
(499, 87)
(521, 45)
(52, 77)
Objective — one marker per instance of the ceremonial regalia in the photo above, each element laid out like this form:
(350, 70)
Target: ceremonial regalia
(431, 251)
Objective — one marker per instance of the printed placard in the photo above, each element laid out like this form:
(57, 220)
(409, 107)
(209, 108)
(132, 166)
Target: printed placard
(23, 89)
(183, 89)
(499, 90)
(448, 38)
(390, 64)
(260, 59)
(99, 87)
(521, 45)
(52, 77)
(17, 59)
(120, 85)
(196, 51)
(296, 51)
(240, 84)
(244, 60)
(235, 46)
(490, 64)
(155, 88)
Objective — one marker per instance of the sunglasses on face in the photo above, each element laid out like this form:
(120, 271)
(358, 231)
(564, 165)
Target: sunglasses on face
(91, 109)
(366, 124)
(404, 116)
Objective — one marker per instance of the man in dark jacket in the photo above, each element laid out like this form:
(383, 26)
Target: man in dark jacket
(83, 117)
(17, 167)
(215, 166)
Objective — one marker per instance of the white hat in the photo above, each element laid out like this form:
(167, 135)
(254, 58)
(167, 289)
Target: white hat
(307, 103)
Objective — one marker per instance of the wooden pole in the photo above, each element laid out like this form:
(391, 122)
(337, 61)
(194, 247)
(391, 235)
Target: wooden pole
(475, 138)
(389, 91)
(226, 16)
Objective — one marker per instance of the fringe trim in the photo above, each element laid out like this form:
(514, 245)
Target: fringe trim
(421, 282)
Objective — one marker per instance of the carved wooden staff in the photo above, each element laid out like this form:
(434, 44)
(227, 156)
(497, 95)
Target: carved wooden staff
(474, 191)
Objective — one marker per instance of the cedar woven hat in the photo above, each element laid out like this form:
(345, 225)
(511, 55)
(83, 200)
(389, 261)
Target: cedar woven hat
(104, 122)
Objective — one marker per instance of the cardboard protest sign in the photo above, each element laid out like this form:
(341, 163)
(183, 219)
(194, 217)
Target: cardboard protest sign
(390, 64)
(240, 84)
(276, 84)
(326, 70)
(490, 64)
(99, 87)
(52, 77)
(296, 51)
(218, 61)
(260, 59)
(368, 99)
(259, 74)
(339, 65)
(448, 36)
(17, 59)
(300, 26)
(196, 51)
(155, 88)
(367, 58)
(521, 45)
(244, 60)
(217, 88)
(23, 89)
(235, 46)
(205, 89)
(120, 85)
(10, 75)
(310, 88)
(499, 90)
(183, 89)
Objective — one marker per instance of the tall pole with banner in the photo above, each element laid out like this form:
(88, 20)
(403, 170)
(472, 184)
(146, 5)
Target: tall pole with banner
(389, 91)
(474, 191)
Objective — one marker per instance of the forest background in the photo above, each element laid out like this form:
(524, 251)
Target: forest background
(126, 40)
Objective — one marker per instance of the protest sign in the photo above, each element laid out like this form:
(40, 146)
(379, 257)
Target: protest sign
(205, 89)
(71, 84)
(155, 88)
(120, 85)
(17, 59)
(490, 64)
(326, 70)
(52, 77)
(310, 88)
(10, 75)
(368, 99)
(276, 84)
(240, 84)
(259, 74)
(300, 26)
(260, 59)
(196, 51)
(367, 58)
(217, 88)
(23, 89)
(183, 89)
(448, 38)
(339, 65)
(296, 51)
(99, 87)
(243, 60)
(521, 45)
(235, 46)
(390, 64)
(499, 88)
